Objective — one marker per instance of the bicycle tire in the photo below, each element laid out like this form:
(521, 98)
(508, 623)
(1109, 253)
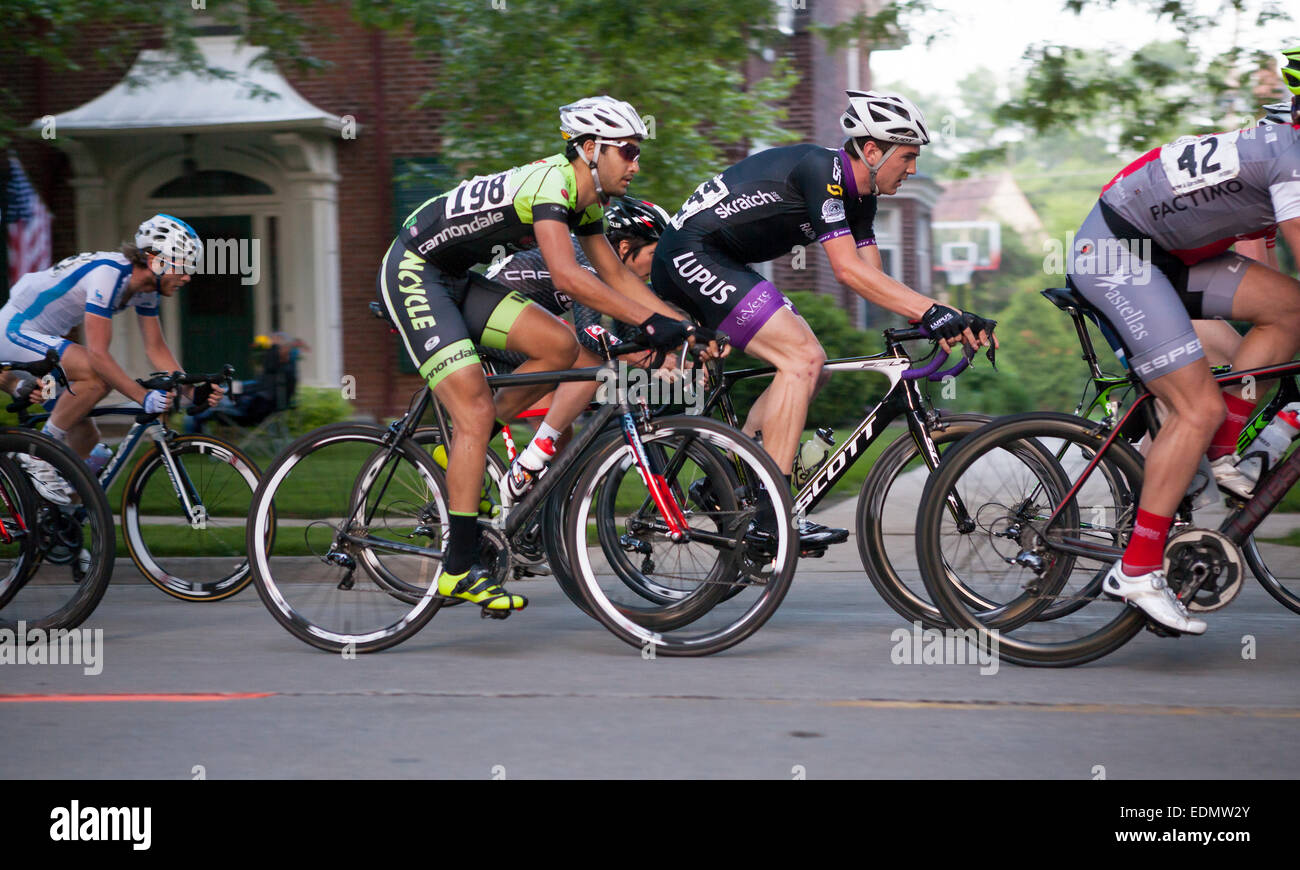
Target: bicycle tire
(220, 500)
(355, 477)
(44, 598)
(18, 505)
(1288, 598)
(1021, 428)
(659, 628)
(872, 516)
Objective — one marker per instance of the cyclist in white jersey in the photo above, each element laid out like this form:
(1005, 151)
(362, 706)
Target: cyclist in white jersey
(88, 290)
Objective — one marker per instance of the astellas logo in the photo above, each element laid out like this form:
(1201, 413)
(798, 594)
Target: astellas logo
(746, 201)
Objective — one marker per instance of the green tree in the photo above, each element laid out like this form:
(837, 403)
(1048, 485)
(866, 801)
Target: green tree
(1163, 89)
(76, 34)
(681, 63)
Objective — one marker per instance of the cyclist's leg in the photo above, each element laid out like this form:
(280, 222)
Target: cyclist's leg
(86, 390)
(786, 342)
(1271, 301)
(736, 300)
(420, 299)
(500, 318)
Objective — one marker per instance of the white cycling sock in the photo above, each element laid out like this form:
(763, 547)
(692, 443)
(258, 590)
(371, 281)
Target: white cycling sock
(55, 432)
(547, 431)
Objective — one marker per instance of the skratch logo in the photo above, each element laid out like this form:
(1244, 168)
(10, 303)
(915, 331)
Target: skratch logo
(744, 202)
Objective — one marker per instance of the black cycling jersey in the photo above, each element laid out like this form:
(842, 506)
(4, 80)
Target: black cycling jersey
(760, 208)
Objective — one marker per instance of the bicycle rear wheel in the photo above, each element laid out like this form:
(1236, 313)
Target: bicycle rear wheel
(198, 556)
(60, 558)
(688, 597)
(344, 500)
(1002, 552)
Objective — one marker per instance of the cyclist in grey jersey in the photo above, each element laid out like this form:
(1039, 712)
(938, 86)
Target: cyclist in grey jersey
(1153, 255)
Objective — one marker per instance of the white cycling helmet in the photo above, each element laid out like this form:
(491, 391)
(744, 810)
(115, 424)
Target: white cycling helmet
(888, 118)
(605, 118)
(173, 240)
(1276, 113)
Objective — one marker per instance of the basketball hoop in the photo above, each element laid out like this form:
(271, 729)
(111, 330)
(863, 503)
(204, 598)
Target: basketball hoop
(958, 272)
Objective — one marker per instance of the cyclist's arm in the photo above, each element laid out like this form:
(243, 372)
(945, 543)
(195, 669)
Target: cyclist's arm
(861, 270)
(155, 346)
(99, 334)
(580, 285)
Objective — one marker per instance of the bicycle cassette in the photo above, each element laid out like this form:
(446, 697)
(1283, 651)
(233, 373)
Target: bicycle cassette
(1207, 562)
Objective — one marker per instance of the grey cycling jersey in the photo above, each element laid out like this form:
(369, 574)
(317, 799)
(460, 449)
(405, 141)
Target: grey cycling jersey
(1197, 196)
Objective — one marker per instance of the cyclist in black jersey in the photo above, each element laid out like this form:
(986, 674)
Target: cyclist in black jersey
(634, 229)
(758, 210)
(441, 309)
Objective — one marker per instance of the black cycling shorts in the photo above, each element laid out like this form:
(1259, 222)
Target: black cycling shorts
(441, 316)
(717, 291)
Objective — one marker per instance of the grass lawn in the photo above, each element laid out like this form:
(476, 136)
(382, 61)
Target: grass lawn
(1290, 540)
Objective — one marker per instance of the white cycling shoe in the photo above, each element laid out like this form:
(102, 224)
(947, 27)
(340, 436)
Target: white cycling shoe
(48, 482)
(1151, 594)
(1236, 477)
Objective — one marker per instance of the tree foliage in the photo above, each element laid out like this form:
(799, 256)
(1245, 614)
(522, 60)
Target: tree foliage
(1164, 89)
(70, 35)
(681, 63)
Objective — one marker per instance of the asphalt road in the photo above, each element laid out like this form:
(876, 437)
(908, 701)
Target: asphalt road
(548, 693)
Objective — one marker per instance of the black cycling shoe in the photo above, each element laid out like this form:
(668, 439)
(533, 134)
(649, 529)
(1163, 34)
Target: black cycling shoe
(814, 536)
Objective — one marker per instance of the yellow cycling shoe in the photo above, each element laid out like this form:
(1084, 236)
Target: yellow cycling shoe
(477, 587)
(487, 506)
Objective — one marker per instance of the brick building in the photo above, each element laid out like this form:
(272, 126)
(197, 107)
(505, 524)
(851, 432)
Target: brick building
(319, 178)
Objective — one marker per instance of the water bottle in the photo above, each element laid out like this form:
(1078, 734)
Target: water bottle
(98, 458)
(812, 453)
(1270, 444)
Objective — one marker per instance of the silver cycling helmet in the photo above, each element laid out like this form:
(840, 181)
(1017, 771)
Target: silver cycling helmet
(174, 241)
(604, 118)
(890, 118)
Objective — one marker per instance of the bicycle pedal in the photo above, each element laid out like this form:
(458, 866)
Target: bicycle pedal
(1161, 631)
(815, 553)
(494, 614)
(532, 571)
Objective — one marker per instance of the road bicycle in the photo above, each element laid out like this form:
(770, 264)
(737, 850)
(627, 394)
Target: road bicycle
(1021, 522)
(56, 558)
(185, 501)
(369, 504)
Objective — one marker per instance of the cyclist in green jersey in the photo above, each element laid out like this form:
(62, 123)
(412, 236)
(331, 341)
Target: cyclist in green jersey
(442, 309)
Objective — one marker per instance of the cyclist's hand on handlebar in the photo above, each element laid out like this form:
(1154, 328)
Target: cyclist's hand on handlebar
(718, 346)
(156, 402)
(661, 331)
(980, 329)
(947, 325)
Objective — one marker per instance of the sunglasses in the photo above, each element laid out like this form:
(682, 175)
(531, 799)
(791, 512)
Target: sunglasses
(629, 151)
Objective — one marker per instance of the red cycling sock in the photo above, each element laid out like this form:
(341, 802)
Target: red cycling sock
(1224, 442)
(1146, 548)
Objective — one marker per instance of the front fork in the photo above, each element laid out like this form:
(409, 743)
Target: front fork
(195, 512)
(653, 477)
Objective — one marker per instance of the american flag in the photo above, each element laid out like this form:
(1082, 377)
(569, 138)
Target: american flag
(28, 223)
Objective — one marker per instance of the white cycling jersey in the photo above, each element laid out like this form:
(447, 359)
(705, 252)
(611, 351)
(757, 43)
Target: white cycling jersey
(45, 305)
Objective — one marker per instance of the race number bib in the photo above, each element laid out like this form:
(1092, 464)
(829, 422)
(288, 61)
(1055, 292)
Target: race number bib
(480, 194)
(707, 195)
(1191, 163)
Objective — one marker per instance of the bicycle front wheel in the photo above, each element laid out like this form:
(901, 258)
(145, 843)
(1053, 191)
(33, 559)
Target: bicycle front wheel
(354, 514)
(699, 594)
(58, 559)
(995, 568)
(195, 553)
